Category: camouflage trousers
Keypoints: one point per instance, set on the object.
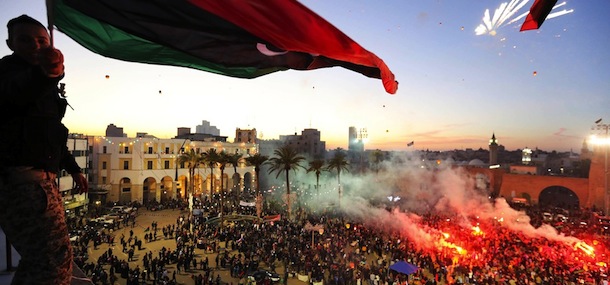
(32, 217)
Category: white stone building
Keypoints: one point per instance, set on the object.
(144, 168)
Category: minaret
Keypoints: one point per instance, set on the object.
(584, 151)
(493, 150)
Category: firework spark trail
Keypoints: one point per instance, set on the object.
(503, 16)
(511, 10)
(559, 13)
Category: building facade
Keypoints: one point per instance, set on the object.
(75, 203)
(356, 139)
(206, 128)
(307, 143)
(145, 169)
(493, 150)
(245, 135)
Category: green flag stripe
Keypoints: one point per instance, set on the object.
(110, 41)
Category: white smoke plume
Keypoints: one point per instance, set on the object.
(423, 187)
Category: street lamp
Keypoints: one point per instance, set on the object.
(605, 143)
(313, 232)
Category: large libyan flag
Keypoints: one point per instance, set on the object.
(239, 38)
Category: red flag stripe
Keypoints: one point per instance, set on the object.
(289, 25)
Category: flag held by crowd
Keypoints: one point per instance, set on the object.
(272, 218)
(238, 38)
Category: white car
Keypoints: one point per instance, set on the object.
(113, 216)
(121, 209)
(104, 221)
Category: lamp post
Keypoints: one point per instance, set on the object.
(605, 143)
(313, 232)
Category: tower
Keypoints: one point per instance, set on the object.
(526, 156)
(493, 150)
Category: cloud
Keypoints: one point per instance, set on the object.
(561, 131)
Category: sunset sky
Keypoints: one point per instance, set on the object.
(543, 88)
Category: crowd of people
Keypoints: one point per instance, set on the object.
(352, 252)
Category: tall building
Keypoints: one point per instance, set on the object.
(75, 203)
(493, 150)
(182, 131)
(585, 153)
(356, 139)
(245, 135)
(308, 143)
(526, 156)
(206, 128)
(114, 131)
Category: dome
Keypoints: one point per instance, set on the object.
(476, 162)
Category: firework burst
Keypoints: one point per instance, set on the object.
(505, 15)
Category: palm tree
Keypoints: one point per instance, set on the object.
(210, 158)
(192, 159)
(316, 166)
(338, 162)
(222, 161)
(234, 160)
(378, 157)
(257, 160)
(285, 159)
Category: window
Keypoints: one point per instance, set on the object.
(166, 149)
(126, 149)
(150, 150)
(166, 164)
(104, 165)
(104, 149)
(149, 165)
(125, 165)
(103, 179)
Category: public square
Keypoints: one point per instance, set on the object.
(163, 218)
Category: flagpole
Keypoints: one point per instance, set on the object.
(50, 19)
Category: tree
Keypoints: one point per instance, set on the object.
(234, 160)
(222, 161)
(257, 160)
(192, 159)
(338, 162)
(316, 166)
(378, 157)
(210, 159)
(285, 159)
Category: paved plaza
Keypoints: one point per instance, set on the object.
(164, 218)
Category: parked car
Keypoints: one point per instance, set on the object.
(261, 275)
(104, 221)
(121, 209)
